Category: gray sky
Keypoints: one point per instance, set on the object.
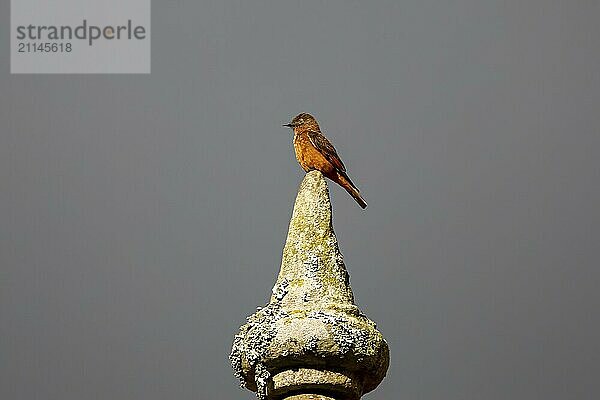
(143, 217)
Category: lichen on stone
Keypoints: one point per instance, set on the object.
(280, 289)
(311, 322)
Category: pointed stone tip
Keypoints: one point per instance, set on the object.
(312, 201)
(311, 337)
(312, 268)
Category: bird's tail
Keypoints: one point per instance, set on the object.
(347, 184)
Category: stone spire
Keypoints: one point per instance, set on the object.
(310, 341)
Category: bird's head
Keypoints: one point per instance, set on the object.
(304, 121)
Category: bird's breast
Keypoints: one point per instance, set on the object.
(308, 156)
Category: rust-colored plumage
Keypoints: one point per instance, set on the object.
(315, 152)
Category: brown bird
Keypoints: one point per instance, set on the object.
(315, 152)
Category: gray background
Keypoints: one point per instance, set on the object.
(143, 217)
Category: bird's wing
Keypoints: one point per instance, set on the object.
(325, 147)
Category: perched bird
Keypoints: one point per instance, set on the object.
(315, 152)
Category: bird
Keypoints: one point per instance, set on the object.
(315, 152)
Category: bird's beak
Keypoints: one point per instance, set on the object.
(288, 125)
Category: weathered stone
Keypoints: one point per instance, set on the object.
(309, 397)
(311, 339)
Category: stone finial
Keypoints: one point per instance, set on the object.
(311, 339)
